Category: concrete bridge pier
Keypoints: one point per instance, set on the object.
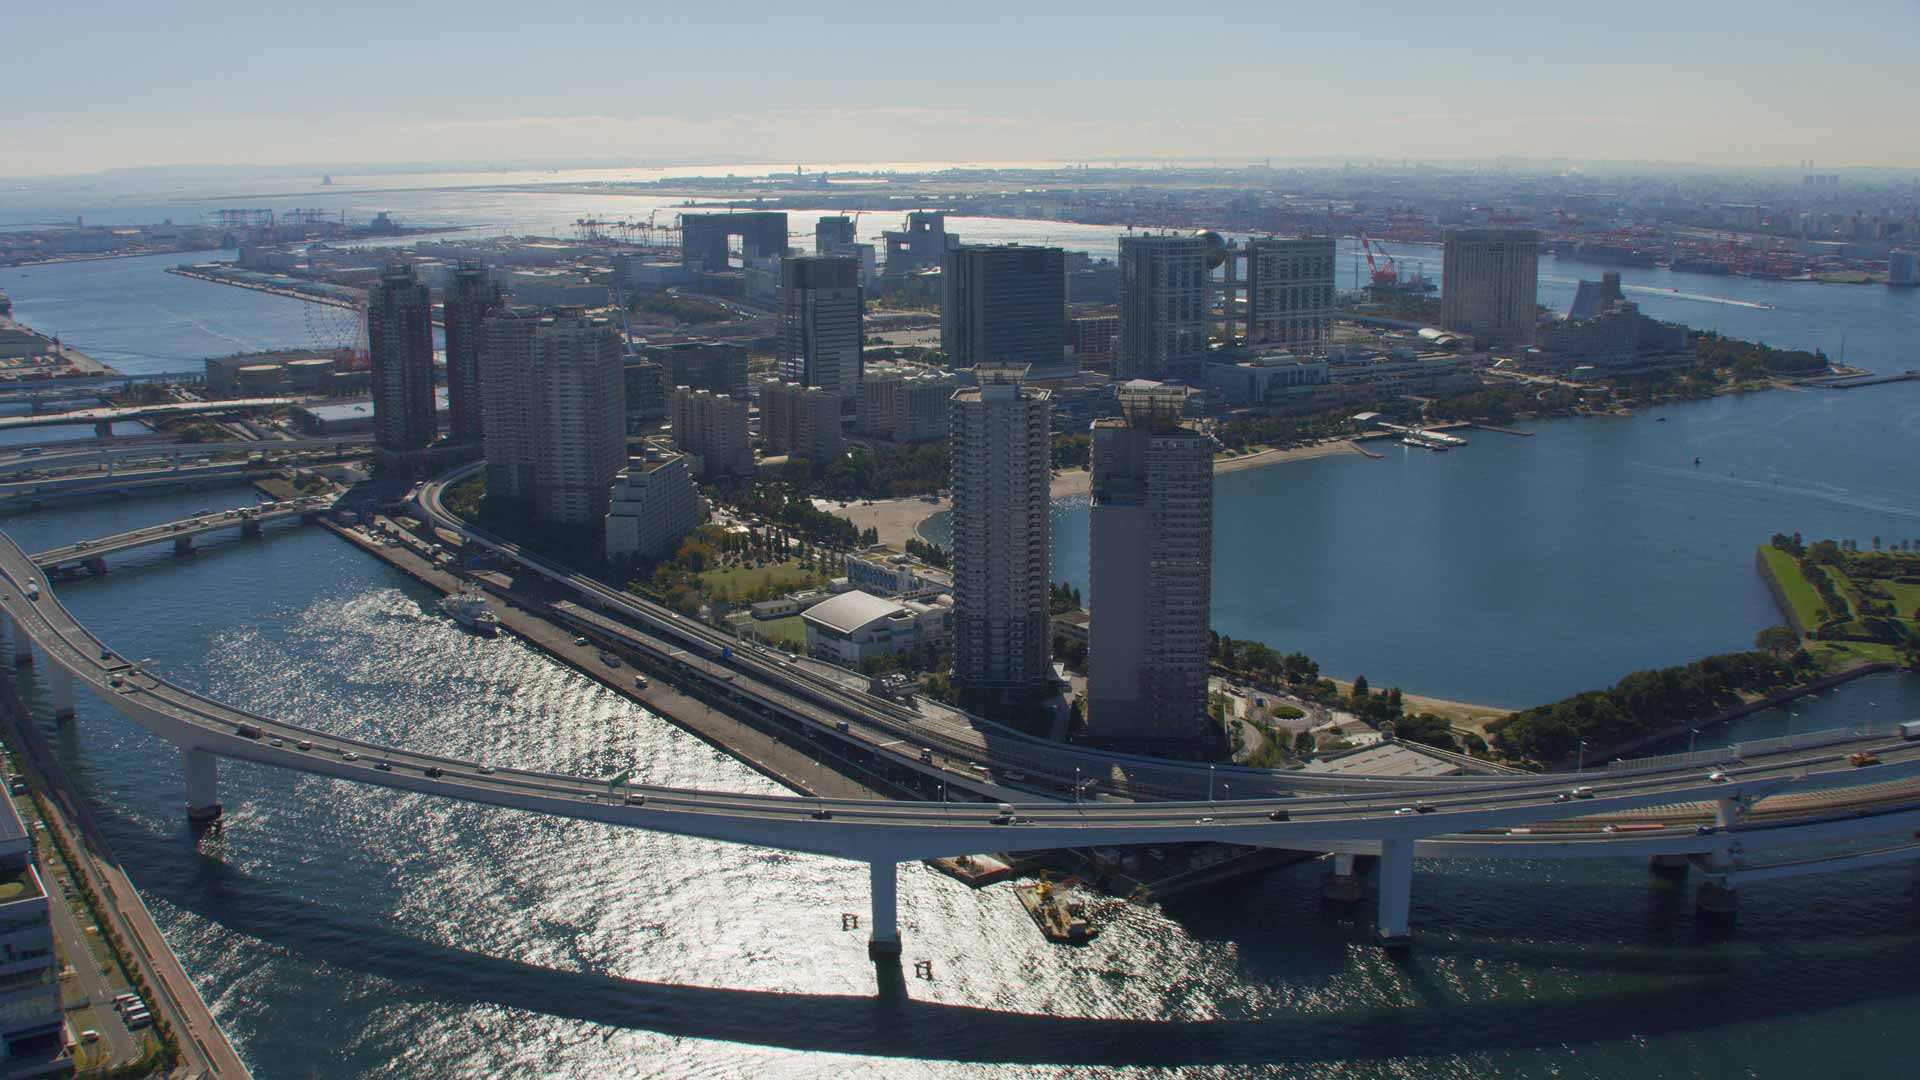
(250, 530)
(22, 644)
(60, 681)
(97, 566)
(1396, 894)
(203, 785)
(1716, 900)
(183, 545)
(103, 429)
(1343, 883)
(883, 945)
(1669, 866)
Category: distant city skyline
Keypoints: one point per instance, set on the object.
(1710, 84)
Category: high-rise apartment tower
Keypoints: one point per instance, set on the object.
(400, 341)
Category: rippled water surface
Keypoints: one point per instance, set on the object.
(349, 931)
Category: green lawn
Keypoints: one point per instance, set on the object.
(789, 631)
(1837, 654)
(1806, 602)
(737, 580)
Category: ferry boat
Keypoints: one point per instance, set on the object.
(470, 611)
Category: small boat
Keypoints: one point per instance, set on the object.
(1659, 419)
(470, 611)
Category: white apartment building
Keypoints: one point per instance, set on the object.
(1001, 453)
(555, 422)
(1163, 307)
(713, 429)
(652, 503)
(803, 421)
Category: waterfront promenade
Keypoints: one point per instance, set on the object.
(205, 1051)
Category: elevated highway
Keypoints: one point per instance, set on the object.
(92, 554)
(58, 457)
(1786, 800)
(105, 417)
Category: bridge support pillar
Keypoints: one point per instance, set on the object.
(60, 681)
(1669, 866)
(250, 530)
(183, 545)
(1717, 901)
(1396, 894)
(103, 429)
(203, 785)
(22, 644)
(97, 566)
(883, 945)
(1343, 883)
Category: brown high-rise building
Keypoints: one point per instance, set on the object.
(400, 339)
(471, 296)
(1490, 286)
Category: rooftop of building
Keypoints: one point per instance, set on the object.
(1385, 759)
(850, 611)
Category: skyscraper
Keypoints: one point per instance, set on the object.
(822, 333)
(833, 235)
(506, 360)
(1290, 291)
(1490, 285)
(556, 411)
(1163, 307)
(1150, 579)
(400, 341)
(1001, 452)
(471, 296)
(1003, 304)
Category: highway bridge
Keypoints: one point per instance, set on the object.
(92, 554)
(1789, 799)
(66, 457)
(104, 418)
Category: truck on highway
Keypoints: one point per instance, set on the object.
(1910, 730)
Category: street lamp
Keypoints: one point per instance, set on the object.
(1580, 765)
(1209, 783)
(1695, 734)
(1076, 783)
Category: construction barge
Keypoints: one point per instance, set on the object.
(1055, 910)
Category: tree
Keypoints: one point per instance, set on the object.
(1303, 743)
(1778, 640)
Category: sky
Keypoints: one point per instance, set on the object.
(92, 86)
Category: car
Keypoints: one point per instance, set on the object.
(106, 654)
(1583, 792)
(304, 744)
(1562, 796)
(383, 766)
(636, 800)
(581, 640)
(348, 755)
(435, 772)
(1004, 816)
(639, 682)
(926, 755)
(1425, 808)
(842, 727)
(1279, 815)
(1719, 778)
(1404, 810)
(246, 731)
(122, 999)
(486, 770)
(277, 741)
(89, 1035)
(822, 814)
(1863, 759)
(1203, 821)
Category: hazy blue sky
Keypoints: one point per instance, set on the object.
(99, 85)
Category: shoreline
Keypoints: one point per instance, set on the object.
(898, 520)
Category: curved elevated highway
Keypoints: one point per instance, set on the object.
(1781, 801)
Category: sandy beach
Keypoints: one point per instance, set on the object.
(897, 520)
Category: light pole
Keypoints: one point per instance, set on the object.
(1580, 765)
(1076, 783)
(1691, 738)
(1209, 783)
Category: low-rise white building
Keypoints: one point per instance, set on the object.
(853, 626)
(652, 503)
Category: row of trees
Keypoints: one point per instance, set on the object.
(1260, 661)
(1646, 702)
